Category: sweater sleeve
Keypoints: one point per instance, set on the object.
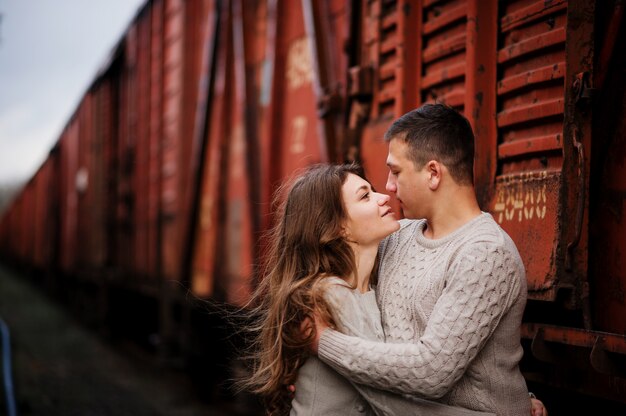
(356, 317)
(483, 280)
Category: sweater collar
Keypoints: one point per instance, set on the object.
(434, 243)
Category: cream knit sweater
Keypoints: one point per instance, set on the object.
(451, 311)
(320, 391)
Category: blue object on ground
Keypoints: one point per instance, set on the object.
(6, 368)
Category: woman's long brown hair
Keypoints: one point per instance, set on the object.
(306, 245)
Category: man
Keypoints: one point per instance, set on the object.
(452, 286)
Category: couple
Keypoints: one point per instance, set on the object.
(440, 335)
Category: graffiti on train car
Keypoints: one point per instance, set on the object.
(521, 197)
(299, 64)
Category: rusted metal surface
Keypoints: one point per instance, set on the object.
(577, 150)
(91, 200)
(589, 362)
(167, 168)
(126, 76)
(155, 167)
(200, 35)
(542, 334)
(607, 193)
(327, 31)
(264, 69)
(294, 104)
(523, 205)
(133, 151)
(236, 279)
(388, 33)
(206, 250)
(102, 203)
(41, 219)
(69, 197)
(530, 125)
(444, 39)
(480, 101)
(25, 235)
(173, 160)
(83, 187)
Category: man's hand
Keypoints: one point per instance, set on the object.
(537, 408)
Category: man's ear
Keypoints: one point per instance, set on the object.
(434, 170)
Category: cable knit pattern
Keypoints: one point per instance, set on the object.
(451, 310)
(321, 391)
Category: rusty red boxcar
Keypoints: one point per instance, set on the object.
(162, 180)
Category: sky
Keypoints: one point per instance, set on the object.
(50, 52)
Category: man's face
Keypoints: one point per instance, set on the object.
(407, 183)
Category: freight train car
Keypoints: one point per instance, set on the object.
(162, 180)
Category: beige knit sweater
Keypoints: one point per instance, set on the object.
(320, 391)
(451, 311)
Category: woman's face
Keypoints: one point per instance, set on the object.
(370, 218)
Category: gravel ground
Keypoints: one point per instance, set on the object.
(61, 368)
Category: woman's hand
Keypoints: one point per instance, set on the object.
(307, 327)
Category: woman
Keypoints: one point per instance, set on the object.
(323, 251)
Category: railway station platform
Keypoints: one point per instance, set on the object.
(62, 368)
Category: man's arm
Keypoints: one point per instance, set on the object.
(351, 314)
(477, 295)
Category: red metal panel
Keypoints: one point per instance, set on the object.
(26, 227)
(42, 217)
(376, 27)
(206, 250)
(69, 201)
(125, 114)
(237, 274)
(16, 227)
(445, 40)
(326, 25)
(172, 173)
(197, 59)
(263, 51)
(102, 202)
(284, 71)
(37, 181)
(480, 99)
(456, 66)
(390, 36)
(84, 174)
(530, 105)
(138, 148)
(294, 99)
(237, 235)
(5, 231)
(381, 41)
(141, 146)
(263, 65)
(153, 219)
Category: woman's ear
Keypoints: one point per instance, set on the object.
(346, 234)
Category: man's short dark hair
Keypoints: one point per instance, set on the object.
(437, 132)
